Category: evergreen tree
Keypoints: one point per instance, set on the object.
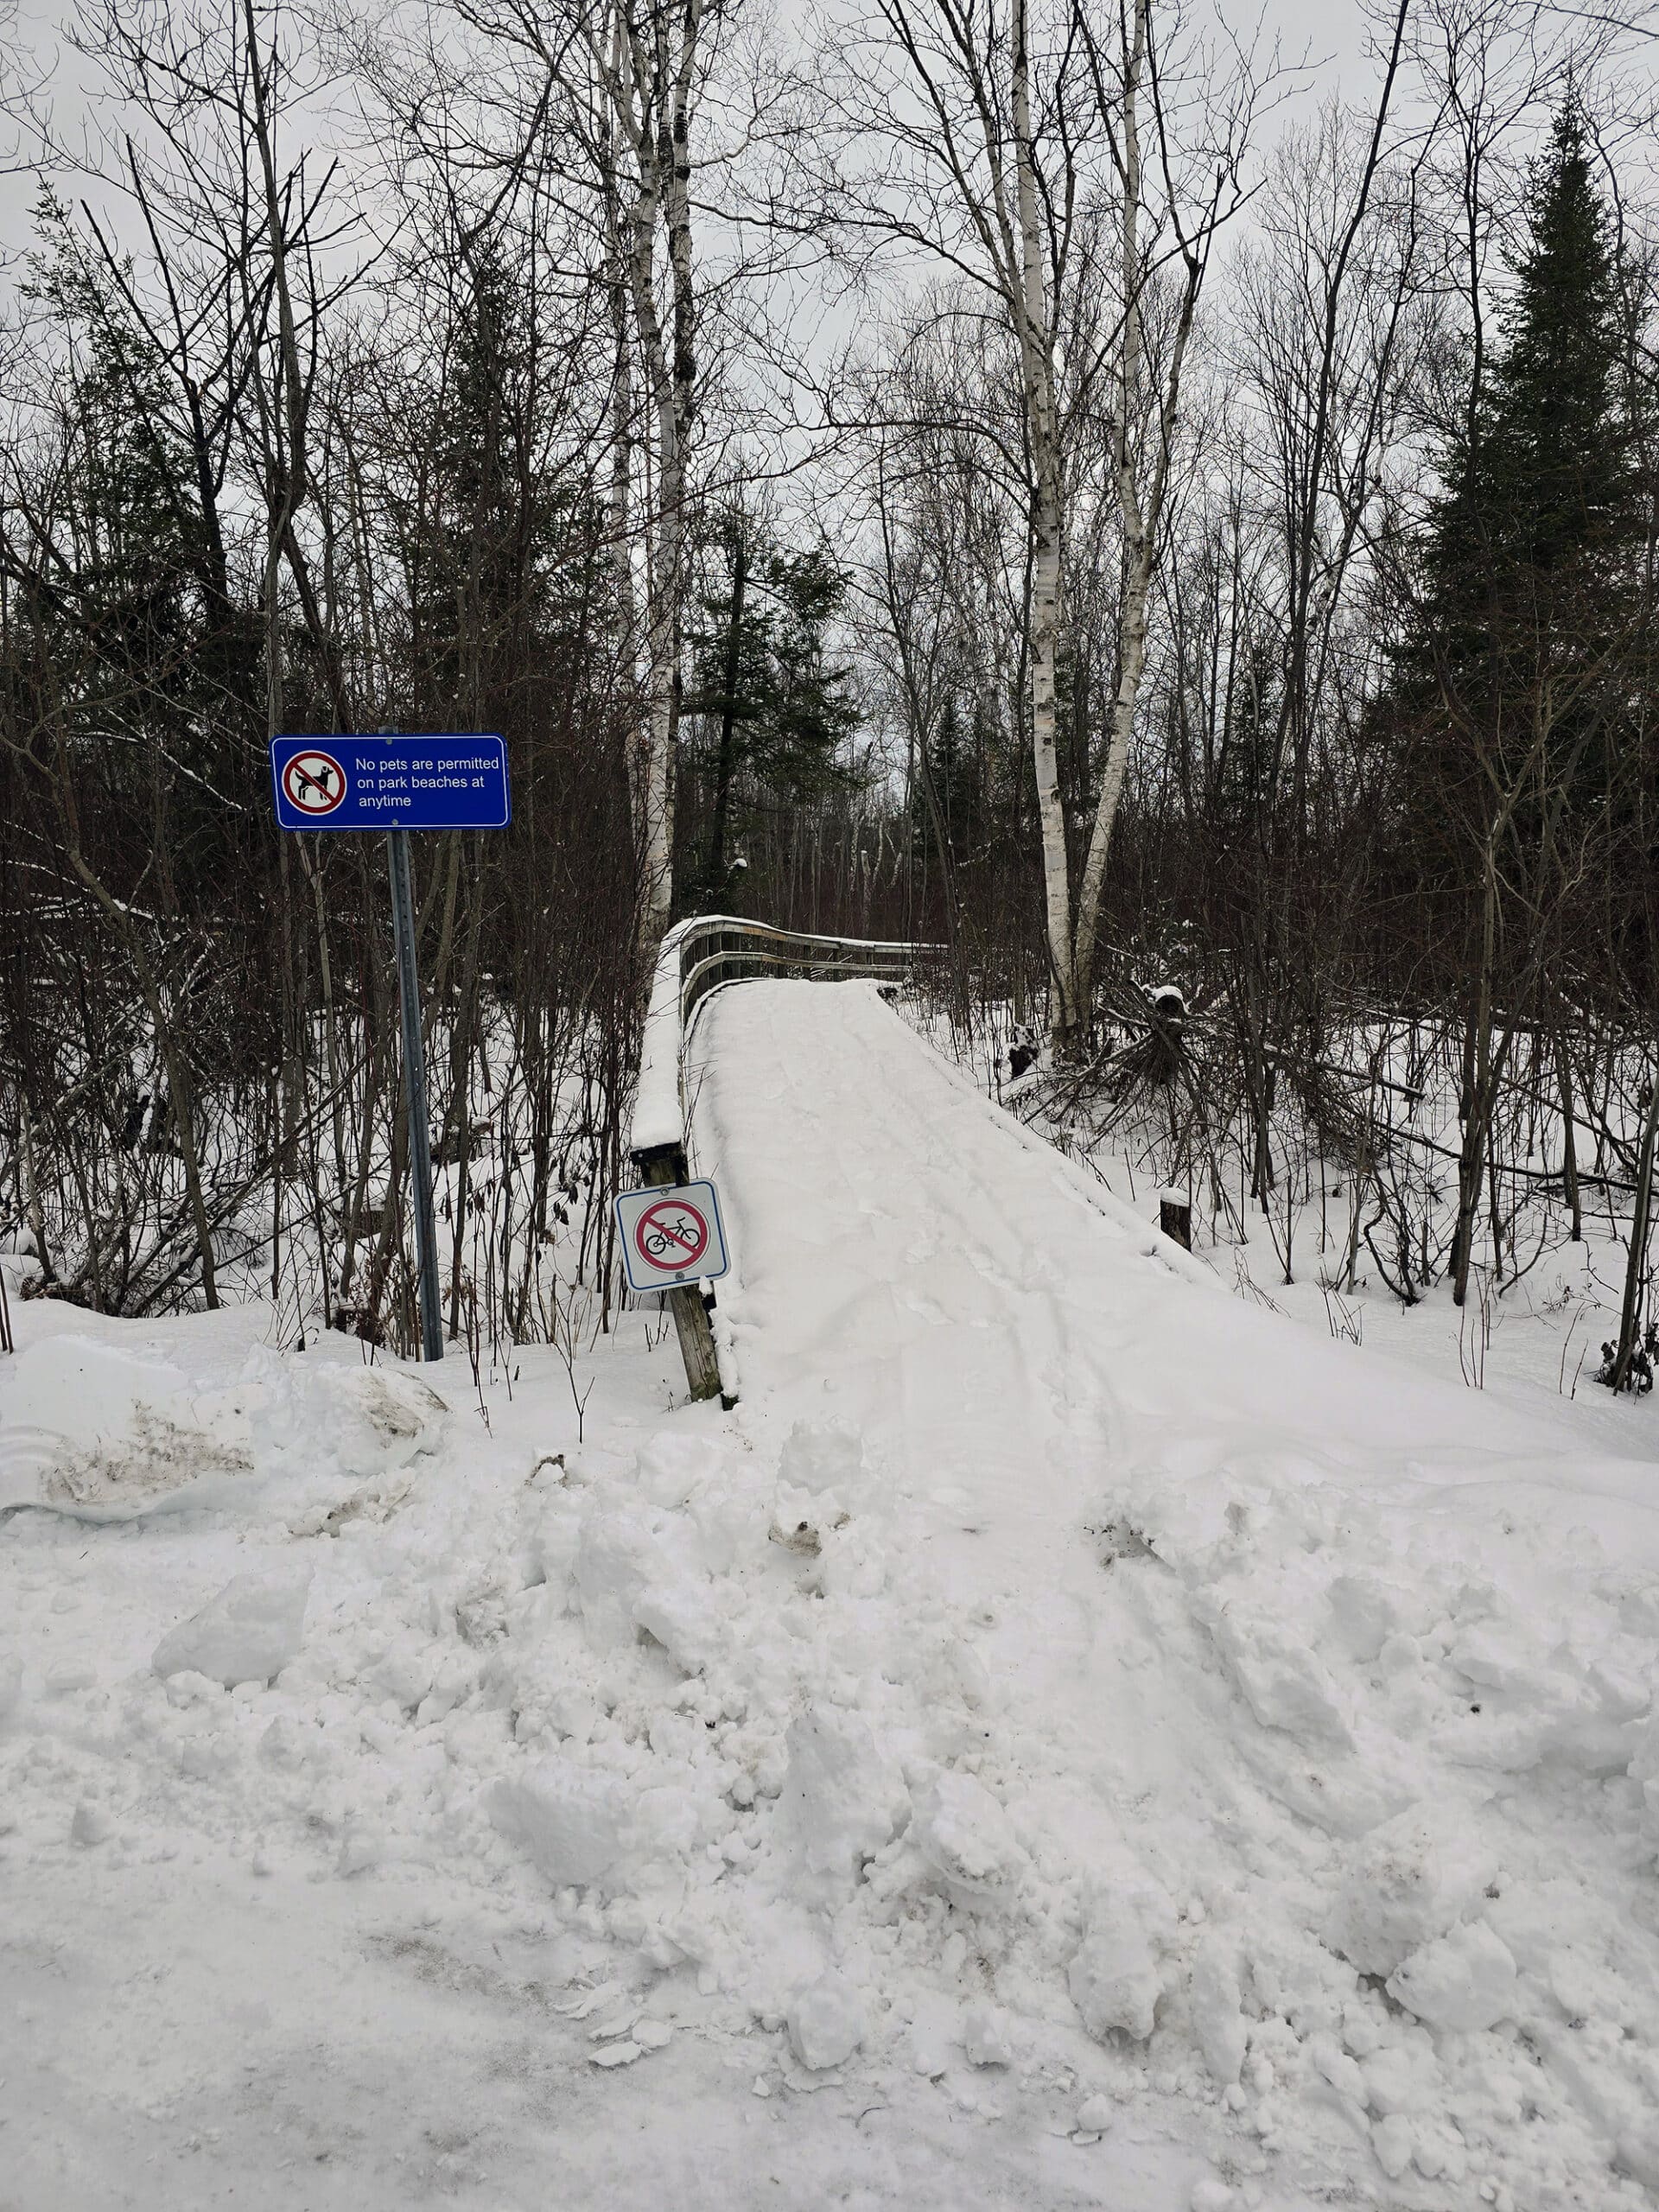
(146, 647)
(1549, 472)
(1521, 668)
(776, 711)
(504, 559)
(1530, 566)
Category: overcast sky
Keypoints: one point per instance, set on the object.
(1331, 33)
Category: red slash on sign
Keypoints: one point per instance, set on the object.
(671, 1235)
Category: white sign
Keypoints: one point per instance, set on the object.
(671, 1236)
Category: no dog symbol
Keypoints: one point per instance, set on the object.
(314, 782)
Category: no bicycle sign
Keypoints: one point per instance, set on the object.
(671, 1236)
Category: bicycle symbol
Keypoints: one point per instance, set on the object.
(671, 1235)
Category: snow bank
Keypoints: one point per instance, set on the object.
(1060, 1711)
(92, 1428)
(765, 1764)
(98, 1431)
(1313, 1767)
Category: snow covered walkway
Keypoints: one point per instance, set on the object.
(1313, 1697)
(1067, 1739)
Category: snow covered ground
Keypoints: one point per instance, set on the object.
(1067, 1738)
(1537, 1327)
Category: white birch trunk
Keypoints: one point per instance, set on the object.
(651, 785)
(1141, 523)
(661, 627)
(674, 161)
(619, 497)
(649, 76)
(1037, 362)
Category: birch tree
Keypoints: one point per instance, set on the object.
(617, 85)
(649, 63)
(971, 136)
(1013, 145)
(1158, 228)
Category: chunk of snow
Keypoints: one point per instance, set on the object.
(247, 1633)
(311, 1415)
(1462, 1981)
(1393, 2140)
(586, 2002)
(825, 2023)
(1368, 1608)
(987, 2036)
(1115, 1976)
(823, 1455)
(360, 1849)
(1401, 2077)
(1643, 1771)
(670, 1469)
(843, 1797)
(1283, 1678)
(1115, 1981)
(1334, 2066)
(575, 1823)
(968, 1839)
(1217, 2010)
(188, 1688)
(90, 1824)
(1406, 1883)
(681, 1613)
(620, 1558)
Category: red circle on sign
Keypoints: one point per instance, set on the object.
(314, 782)
(670, 1236)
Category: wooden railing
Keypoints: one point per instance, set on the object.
(705, 955)
(699, 957)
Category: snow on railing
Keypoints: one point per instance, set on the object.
(702, 955)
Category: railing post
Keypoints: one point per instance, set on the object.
(1175, 1216)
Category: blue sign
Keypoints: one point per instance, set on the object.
(390, 783)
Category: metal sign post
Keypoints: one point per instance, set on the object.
(420, 1150)
(398, 784)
